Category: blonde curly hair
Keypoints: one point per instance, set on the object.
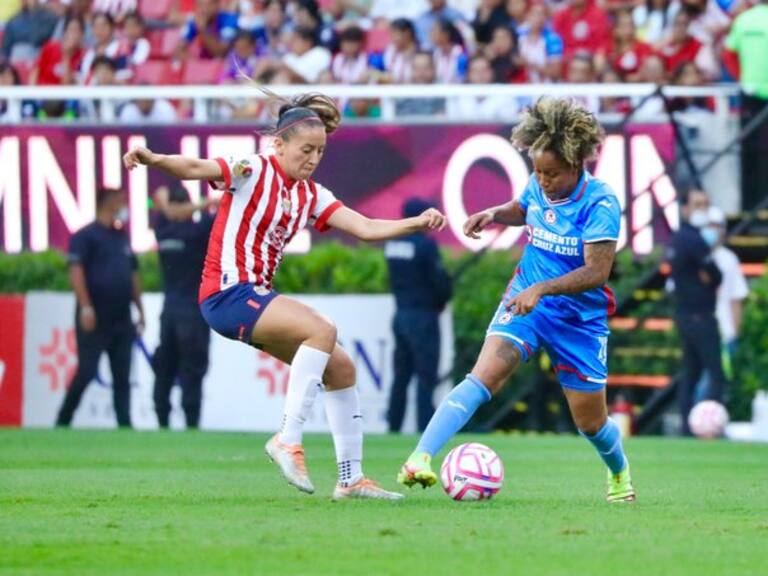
(562, 127)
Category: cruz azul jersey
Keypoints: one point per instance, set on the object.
(261, 210)
(557, 232)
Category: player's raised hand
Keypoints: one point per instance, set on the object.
(477, 223)
(138, 155)
(432, 219)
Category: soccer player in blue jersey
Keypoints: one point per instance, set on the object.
(557, 298)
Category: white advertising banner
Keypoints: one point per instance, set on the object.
(244, 389)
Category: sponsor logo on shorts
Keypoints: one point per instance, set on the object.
(505, 318)
(261, 290)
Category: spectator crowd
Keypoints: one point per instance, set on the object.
(272, 42)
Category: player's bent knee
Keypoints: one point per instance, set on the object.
(340, 373)
(323, 335)
(590, 426)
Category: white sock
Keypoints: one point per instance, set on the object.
(342, 408)
(304, 381)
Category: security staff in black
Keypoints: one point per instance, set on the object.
(182, 356)
(696, 278)
(422, 288)
(102, 270)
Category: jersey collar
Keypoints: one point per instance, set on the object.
(576, 195)
(288, 182)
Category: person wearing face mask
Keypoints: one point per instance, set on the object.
(268, 199)
(103, 273)
(696, 279)
(733, 289)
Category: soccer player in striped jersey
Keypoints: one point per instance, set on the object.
(557, 299)
(267, 200)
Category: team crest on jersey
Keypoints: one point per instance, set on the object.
(242, 169)
(550, 216)
(505, 318)
(277, 237)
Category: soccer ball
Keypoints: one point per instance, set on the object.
(708, 419)
(471, 471)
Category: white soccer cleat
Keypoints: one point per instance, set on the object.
(290, 460)
(364, 488)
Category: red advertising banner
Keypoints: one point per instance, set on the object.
(11, 359)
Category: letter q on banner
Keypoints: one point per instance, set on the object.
(470, 151)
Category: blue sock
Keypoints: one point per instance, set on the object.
(607, 442)
(453, 413)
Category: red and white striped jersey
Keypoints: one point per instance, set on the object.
(259, 215)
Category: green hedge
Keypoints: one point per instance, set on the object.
(337, 268)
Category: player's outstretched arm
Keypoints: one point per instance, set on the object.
(176, 165)
(509, 214)
(372, 230)
(598, 260)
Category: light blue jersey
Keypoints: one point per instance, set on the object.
(557, 232)
(573, 328)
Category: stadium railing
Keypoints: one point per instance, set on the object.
(202, 96)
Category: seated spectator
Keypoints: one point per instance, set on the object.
(9, 76)
(687, 74)
(652, 71)
(439, 10)
(80, 10)
(709, 22)
(209, 32)
(653, 19)
(680, 46)
(275, 29)
(613, 103)
(350, 65)
(27, 31)
(583, 26)
(103, 73)
(448, 53)
(490, 15)
(397, 61)
(541, 49)
(505, 61)
(306, 60)
(581, 70)
(384, 11)
(106, 44)
(423, 73)
(134, 47)
(159, 111)
(306, 14)
(241, 61)
(482, 107)
(59, 61)
(625, 53)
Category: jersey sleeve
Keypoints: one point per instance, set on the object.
(79, 249)
(525, 198)
(236, 171)
(603, 221)
(732, 41)
(324, 206)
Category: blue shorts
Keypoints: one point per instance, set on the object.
(234, 312)
(579, 351)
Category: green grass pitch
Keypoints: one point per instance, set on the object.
(76, 502)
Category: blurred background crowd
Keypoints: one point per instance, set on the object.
(114, 42)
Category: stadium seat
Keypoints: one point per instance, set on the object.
(377, 39)
(155, 9)
(163, 42)
(203, 72)
(157, 72)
